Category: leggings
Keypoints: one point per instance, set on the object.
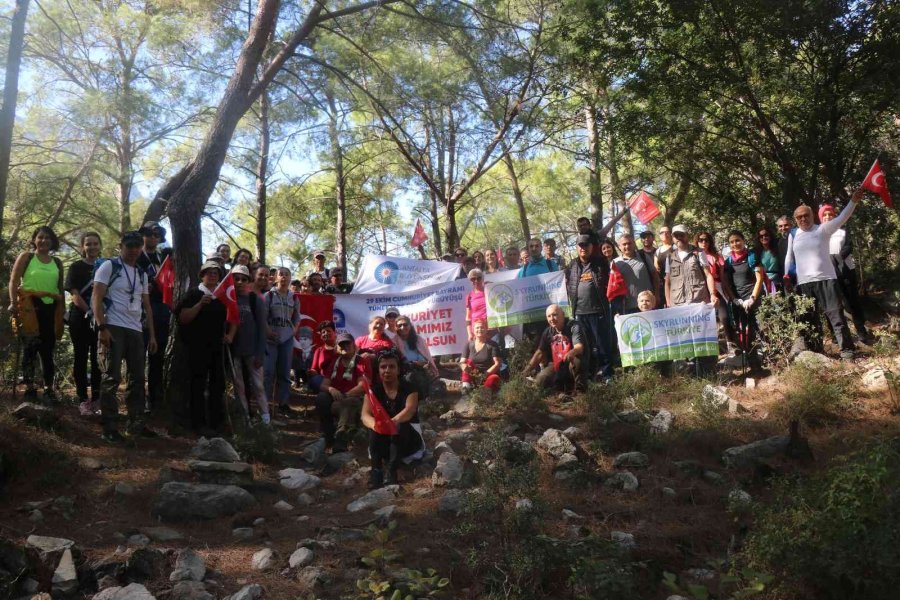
(42, 345)
(84, 348)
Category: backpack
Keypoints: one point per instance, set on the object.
(115, 274)
(551, 266)
(559, 347)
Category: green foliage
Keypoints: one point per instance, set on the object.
(779, 325)
(815, 396)
(257, 442)
(385, 583)
(836, 533)
(518, 398)
(734, 583)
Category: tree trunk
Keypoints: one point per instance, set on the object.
(340, 182)
(452, 228)
(617, 192)
(124, 179)
(262, 174)
(595, 185)
(674, 207)
(10, 96)
(517, 193)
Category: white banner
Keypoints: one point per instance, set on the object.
(667, 334)
(392, 274)
(525, 300)
(497, 276)
(438, 313)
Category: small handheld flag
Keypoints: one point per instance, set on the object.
(876, 181)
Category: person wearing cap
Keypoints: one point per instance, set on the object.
(319, 265)
(662, 253)
(841, 250)
(376, 340)
(201, 328)
(283, 313)
(336, 284)
(550, 253)
(809, 249)
(323, 357)
(341, 393)
(588, 280)
(248, 344)
(390, 318)
(120, 297)
(150, 261)
(688, 280)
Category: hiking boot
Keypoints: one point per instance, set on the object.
(376, 479)
(113, 437)
(31, 394)
(391, 477)
(848, 354)
(340, 443)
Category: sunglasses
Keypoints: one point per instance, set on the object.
(764, 236)
(703, 239)
(460, 255)
(402, 325)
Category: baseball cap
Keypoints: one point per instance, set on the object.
(150, 227)
(319, 253)
(584, 239)
(344, 337)
(392, 310)
(132, 238)
(646, 234)
(241, 270)
(679, 229)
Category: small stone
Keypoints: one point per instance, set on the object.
(253, 591)
(191, 590)
(573, 433)
(449, 470)
(749, 454)
(386, 514)
(676, 597)
(632, 416)
(304, 499)
(36, 516)
(310, 577)
(441, 448)
(303, 518)
(162, 534)
(739, 500)
(556, 418)
(189, 566)
(283, 506)
(875, 380)
(450, 416)
(263, 560)
(750, 383)
(421, 492)
(452, 502)
(259, 521)
(138, 539)
(668, 492)
(48, 545)
(524, 504)
(301, 558)
(662, 421)
(143, 564)
(314, 452)
(701, 574)
(242, 533)
(337, 461)
(567, 462)
(624, 540)
(215, 449)
(571, 515)
(65, 577)
(555, 443)
(298, 479)
(222, 473)
(632, 460)
(132, 591)
(124, 489)
(713, 477)
(374, 499)
(715, 395)
(340, 535)
(90, 463)
(624, 480)
(814, 361)
(35, 414)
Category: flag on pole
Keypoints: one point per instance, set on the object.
(419, 236)
(876, 181)
(500, 260)
(165, 281)
(225, 294)
(643, 207)
(383, 422)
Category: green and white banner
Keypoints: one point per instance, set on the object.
(525, 300)
(668, 334)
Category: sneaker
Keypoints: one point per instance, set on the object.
(266, 418)
(85, 409)
(848, 354)
(340, 443)
(113, 437)
(465, 388)
(376, 479)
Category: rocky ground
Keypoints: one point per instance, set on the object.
(665, 481)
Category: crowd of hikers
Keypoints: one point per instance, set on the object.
(117, 314)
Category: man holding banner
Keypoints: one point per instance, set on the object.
(587, 282)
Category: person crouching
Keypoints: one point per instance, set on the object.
(341, 392)
(560, 348)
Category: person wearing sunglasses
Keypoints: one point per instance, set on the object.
(419, 365)
(809, 250)
(248, 345)
(341, 393)
(743, 279)
(706, 242)
(766, 253)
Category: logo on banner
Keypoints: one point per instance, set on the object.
(636, 332)
(340, 322)
(501, 298)
(387, 273)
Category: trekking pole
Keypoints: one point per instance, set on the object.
(226, 356)
(244, 411)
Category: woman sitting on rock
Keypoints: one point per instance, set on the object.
(395, 433)
(481, 358)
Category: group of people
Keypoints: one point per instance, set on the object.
(117, 315)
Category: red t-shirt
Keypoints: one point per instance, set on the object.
(362, 369)
(323, 360)
(364, 342)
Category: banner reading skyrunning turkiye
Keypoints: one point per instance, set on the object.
(668, 334)
(438, 312)
(525, 300)
(391, 274)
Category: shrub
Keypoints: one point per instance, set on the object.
(256, 442)
(815, 396)
(836, 534)
(779, 325)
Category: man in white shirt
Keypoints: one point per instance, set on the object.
(808, 252)
(121, 294)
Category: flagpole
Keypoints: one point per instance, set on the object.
(422, 252)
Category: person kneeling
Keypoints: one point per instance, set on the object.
(560, 348)
(390, 411)
(341, 393)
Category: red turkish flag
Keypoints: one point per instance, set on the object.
(643, 207)
(165, 280)
(383, 422)
(419, 236)
(314, 308)
(876, 181)
(225, 294)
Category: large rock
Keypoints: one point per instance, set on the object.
(633, 460)
(622, 481)
(191, 590)
(48, 545)
(179, 501)
(314, 453)
(253, 591)
(449, 470)
(452, 502)
(375, 499)
(298, 479)
(264, 559)
(749, 454)
(555, 443)
(162, 534)
(215, 449)
(189, 566)
(301, 558)
(65, 577)
(132, 591)
(875, 380)
(814, 361)
(222, 473)
(35, 414)
(662, 421)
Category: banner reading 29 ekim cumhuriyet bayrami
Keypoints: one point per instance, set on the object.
(667, 334)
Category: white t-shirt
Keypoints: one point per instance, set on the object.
(834, 247)
(809, 250)
(126, 293)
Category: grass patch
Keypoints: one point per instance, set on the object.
(814, 396)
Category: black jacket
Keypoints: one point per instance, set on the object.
(599, 268)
